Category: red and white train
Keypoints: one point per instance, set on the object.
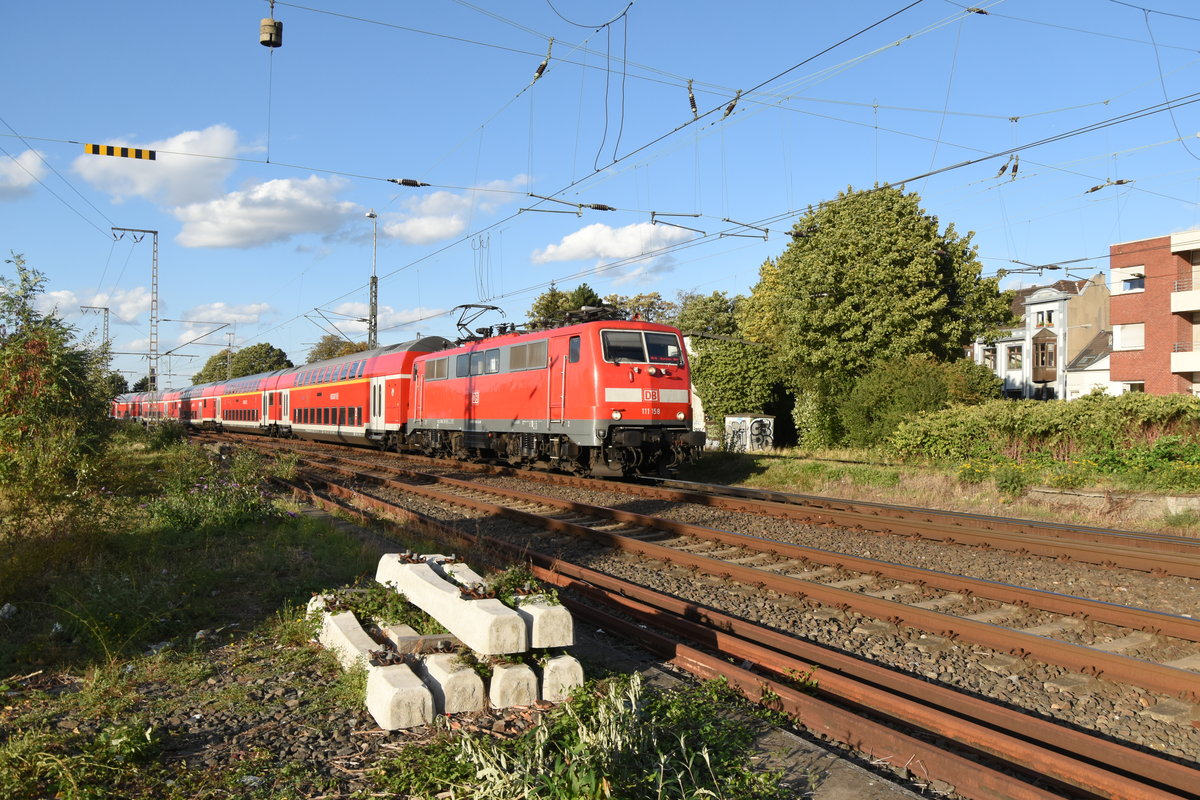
(603, 398)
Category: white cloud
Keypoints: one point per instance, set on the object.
(171, 179)
(264, 213)
(603, 242)
(389, 318)
(223, 312)
(19, 174)
(443, 215)
(209, 316)
(124, 305)
(646, 269)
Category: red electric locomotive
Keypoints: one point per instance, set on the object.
(605, 398)
(602, 397)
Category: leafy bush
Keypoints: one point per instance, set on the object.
(53, 404)
(200, 494)
(1149, 441)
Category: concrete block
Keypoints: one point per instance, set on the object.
(512, 685)
(342, 634)
(456, 572)
(455, 687)
(560, 675)
(548, 625)
(486, 626)
(397, 698)
(406, 640)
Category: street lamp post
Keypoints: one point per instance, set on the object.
(373, 317)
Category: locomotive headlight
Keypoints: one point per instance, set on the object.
(654, 372)
(680, 416)
(616, 415)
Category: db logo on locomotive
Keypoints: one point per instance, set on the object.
(649, 395)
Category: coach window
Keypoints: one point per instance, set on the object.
(491, 361)
(342, 416)
(462, 366)
(477, 363)
(573, 350)
(344, 373)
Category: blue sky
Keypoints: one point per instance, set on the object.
(268, 160)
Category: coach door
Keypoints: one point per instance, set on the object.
(377, 402)
(266, 407)
(286, 398)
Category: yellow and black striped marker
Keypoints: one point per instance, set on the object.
(123, 152)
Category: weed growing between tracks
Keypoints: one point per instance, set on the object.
(615, 738)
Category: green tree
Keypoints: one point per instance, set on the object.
(731, 375)
(115, 384)
(256, 358)
(142, 384)
(551, 307)
(867, 278)
(53, 404)
(650, 307)
(215, 369)
(331, 346)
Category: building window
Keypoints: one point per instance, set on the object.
(1045, 318)
(1135, 387)
(989, 358)
(1043, 354)
(1127, 279)
(1014, 357)
(1129, 337)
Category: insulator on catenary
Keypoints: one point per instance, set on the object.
(270, 32)
(598, 207)
(542, 66)
(692, 100)
(729, 108)
(1016, 165)
(406, 182)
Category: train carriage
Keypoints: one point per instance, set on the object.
(601, 397)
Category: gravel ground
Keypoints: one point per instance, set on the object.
(1128, 714)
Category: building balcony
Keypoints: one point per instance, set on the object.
(1185, 358)
(1183, 297)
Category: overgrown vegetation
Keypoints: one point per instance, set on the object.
(54, 393)
(614, 739)
(371, 601)
(1134, 440)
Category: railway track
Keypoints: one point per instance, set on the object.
(911, 715)
(1158, 554)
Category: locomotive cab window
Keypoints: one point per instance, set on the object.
(623, 347)
(663, 348)
(573, 350)
(491, 361)
(477, 363)
(462, 366)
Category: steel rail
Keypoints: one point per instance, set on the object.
(846, 726)
(1110, 666)
(1128, 549)
(1155, 622)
